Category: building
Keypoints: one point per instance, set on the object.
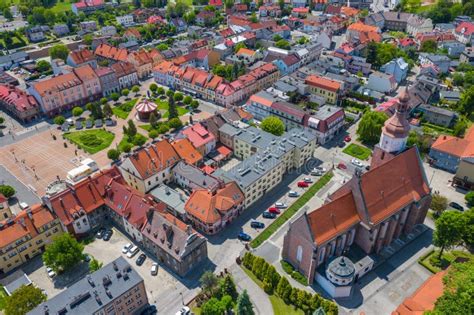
(437, 115)
(126, 74)
(382, 82)
(205, 18)
(464, 32)
(327, 88)
(190, 178)
(108, 80)
(397, 67)
(113, 289)
(18, 103)
(125, 20)
(88, 26)
(35, 34)
(87, 6)
(60, 30)
(143, 62)
(81, 57)
(362, 33)
(186, 151)
(467, 55)
(417, 24)
(149, 167)
(5, 211)
(447, 151)
(111, 53)
(327, 122)
(371, 210)
(211, 210)
(173, 243)
(441, 62)
(65, 91)
(26, 235)
(201, 139)
(464, 177)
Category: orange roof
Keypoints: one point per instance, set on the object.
(246, 51)
(187, 151)
(58, 83)
(154, 159)
(209, 207)
(81, 56)
(424, 298)
(361, 27)
(323, 83)
(110, 52)
(349, 11)
(460, 147)
(261, 100)
(333, 218)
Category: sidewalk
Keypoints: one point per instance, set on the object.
(259, 298)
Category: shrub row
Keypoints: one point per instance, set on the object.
(298, 276)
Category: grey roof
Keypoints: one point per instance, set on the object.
(14, 57)
(170, 197)
(284, 87)
(434, 57)
(198, 179)
(326, 111)
(17, 283)
(228, 129)
(94, 291)
(449, 94)
(437, 110)
(341, 266)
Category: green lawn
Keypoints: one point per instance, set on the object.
(164, 106)
(3, 295)
(435, 130)
(431, 261)
(124, 109)
(288, 213)
(279, 306)
(125, 140)
(92, 141)
(357, 151)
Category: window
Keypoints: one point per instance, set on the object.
(299, 253)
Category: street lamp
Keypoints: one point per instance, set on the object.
(182, 299)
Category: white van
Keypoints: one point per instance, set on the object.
(132, 251)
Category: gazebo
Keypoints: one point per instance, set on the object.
(145, 108)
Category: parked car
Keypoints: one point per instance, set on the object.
(244, 237)
(341, 144)
(50, 272)
(347, 139)
(268, 215)
(126, 248)
(132, 251)
(274, 210)
(109, 122)
(23, 205)
(307, 180)
(456, 206)
(293, 194)
(154, 269)
(318, 171)
(98, 123)
(140, 260)
(280, 205)
(257, 225)
(108, 235)
(78, 125)
(184, 311)
(356, 162)
(303, 184)
(341, 166)
(100, 233)
(89, 124)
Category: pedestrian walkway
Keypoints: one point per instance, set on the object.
(259, 298)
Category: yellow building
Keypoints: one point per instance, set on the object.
(327, 88)
(26, 235)
(5, 211)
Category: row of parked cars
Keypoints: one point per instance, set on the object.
(131, 250)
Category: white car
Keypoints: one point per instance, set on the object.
(154, 269)
(280, 205)
(126, 248)
(307, 180)
(50, 272)
(23, 205)
(132, 251)
(356, 162)
(184, 311)
(293, 194)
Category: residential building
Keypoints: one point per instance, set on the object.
(447, 151)
(211, 210)
(26, 235)
(186, 151)
(327, 122)
(354, 215)
(88, 26)
(81, 57)
(108, 80)
(362, 33)
(12, 59)
(202, 140)
(110, 53)
(464, 177)
(205, 18)
(108, 30)
(114, 288)
(132, 34)
(87, 6)
(382, 82)
(327, 88)
(455, 48)
(60, 30)
(287, 64)
(35, 34)
(397, 67)
(437, 115)
(125, 20)
(417, 24)
(126, 74)
(467, 56)
(149, 167)
(464, 32)
(143, 62)
(190, 178)
(269, 10)
(174, 243)
(441, 62)
(5, 211)
(18, 103)
(396, 21)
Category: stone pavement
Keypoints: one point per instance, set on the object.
(259, 298)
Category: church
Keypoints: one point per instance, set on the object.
(371, 210)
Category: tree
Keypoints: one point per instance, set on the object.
(153, 120)
(227, 302)
(466, 104)
(244, 306)
(2, 120)
(195, 104)
(125, 92)
(59, 52)
(88, 38)
(162, 47)
(213, 307)
(114, 97)
(172, 110)
(77, 111)
(459, 128)
(273, 125)
(160, 91)
(469, 197)
(439, 203)
(178, 97)
(283, 44)
(107, 110)
(170, 93)
(175, 123)
(59, 120)
(187, 100)
(95, 265)
(7, 191)
(113, 154)
(103, 100)
(163, 128)
(127, 147)
(208, 281)
(152, 134)
(468, 234)
(449, 229)
(135, 89)
(429, 46)
(370, 126)
(63, 253)
(228, 287)
(7, 14)
(132, 129)
(23, 300)
(153, 88)
(43, 66)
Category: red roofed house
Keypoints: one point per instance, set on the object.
(371, 210)
(216, 3)
(111, 53)
(464, 32)
(300, 12)
(202, 140)
(363, 33)
(205, 17)
(81, 57)
(18, 103)
(211, 211)
(147, 168)
(87, 6)
(269, 10)
(142, 61)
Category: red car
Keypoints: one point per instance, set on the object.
(303, 184)
(347, 139)
(341, 166)
(274, 210)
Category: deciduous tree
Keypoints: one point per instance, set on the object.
(370, 126)
(273, 125)
(23, 300)
(63, 253)
(449, 230)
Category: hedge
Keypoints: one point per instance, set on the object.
(298, 276)
(288, 213)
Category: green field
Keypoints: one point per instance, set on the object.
(91, 141)
(60, 6)
(164, 106)
(288, 213)
(126, 140)
(122, 110)
(357, 151)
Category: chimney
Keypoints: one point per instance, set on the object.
(189, 229)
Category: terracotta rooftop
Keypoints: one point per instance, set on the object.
(323, 83)
(110, 52)
(459, 147)
(187, 151)
(17, 98)
(198, 135)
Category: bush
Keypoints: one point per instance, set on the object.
(175, 123)
(139, 140)
(163, 128)
(59, 120)
(127, 147)
(90, 140)
(287, 267)
(113, 154)
(77, 111)
(153, 134)
(7, 191)
(469, 197)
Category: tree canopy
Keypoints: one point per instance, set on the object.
(244, 305)
(63, 253)
(23, 300)
(59, 52)
(7, 191)
(370, 126)
(273, 125)
(450, 227)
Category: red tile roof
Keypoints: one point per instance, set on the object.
(459, 147)
(13, 96)
(324, 83)
(465, 28)
(198, 135)
(81, 56)
(187, 151)
(110, 52)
